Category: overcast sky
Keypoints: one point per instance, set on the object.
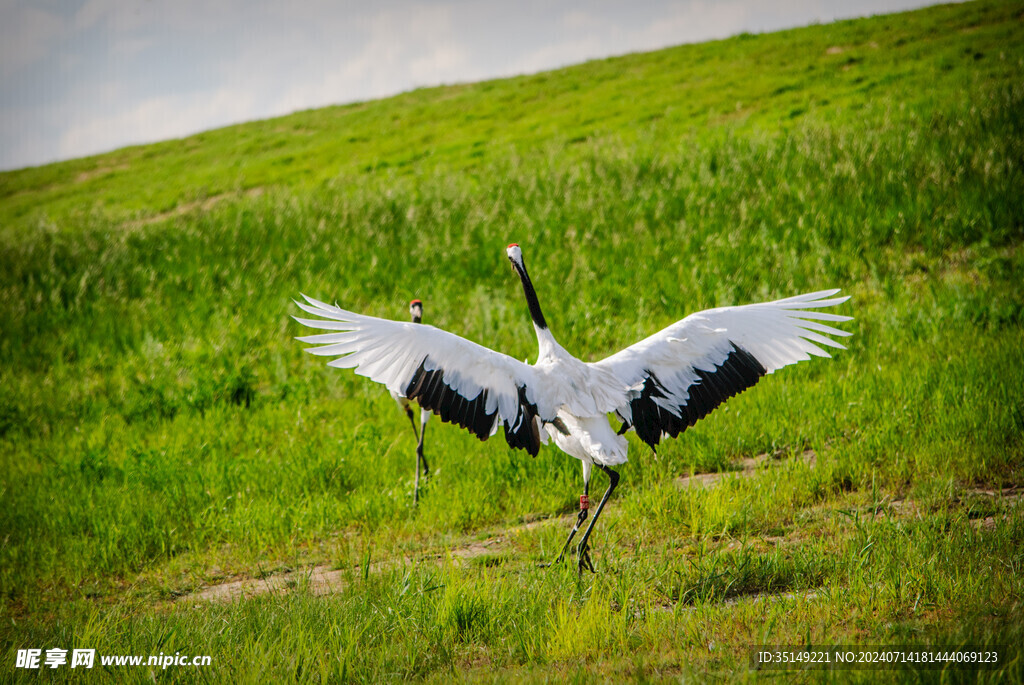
(84, 76)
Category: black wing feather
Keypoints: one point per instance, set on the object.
(737, 372)
(433, 393)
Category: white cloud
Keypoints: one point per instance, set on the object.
(591, 32)
(443, 63)
(387, 53)
(158, 118)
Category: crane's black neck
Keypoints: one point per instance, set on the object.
(416, 318)
(531, 298)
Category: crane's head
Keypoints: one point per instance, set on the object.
(515, 255)
(416, 310)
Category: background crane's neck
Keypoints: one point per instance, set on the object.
(545, 340)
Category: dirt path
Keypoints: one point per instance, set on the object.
(184, 208)
(748, 467)
(325, 579)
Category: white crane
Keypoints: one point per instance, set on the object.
(416, 312)
(658, 387)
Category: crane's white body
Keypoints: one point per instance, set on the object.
(658, 386)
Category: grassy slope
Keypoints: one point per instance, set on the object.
(160, 429)
(827, 76)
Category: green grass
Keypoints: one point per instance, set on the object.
(161, 431)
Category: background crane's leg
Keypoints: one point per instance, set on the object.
(424, 415)
(412, 420)
(419, 449)
(583, 551)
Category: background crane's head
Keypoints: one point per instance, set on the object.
(515, 255)
(416, 310)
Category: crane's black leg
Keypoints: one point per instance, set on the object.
(412, 420)
(583, 550)
(580, 518)
(419, 451)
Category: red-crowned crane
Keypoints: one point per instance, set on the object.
(416, 312)
(658, 387)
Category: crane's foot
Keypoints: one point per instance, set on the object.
(552, 563)
(580, 518)
(425, 467)
(583, 559)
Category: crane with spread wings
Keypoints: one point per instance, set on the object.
(657, 387)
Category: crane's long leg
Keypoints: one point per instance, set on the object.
(424, 415)
(419, 450)
(412, 420)
(580, 518)
(582, 550)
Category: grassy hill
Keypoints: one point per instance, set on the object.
(161, 433)
(850, 72)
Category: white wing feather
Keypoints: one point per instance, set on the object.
(776, 333)
(390, 352)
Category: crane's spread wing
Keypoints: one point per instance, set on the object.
(692, 366)
(464, 383)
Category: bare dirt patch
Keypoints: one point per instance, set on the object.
(748, 467)
(204, 205)
(324, 579)
(99, 171)
(1010, 497)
